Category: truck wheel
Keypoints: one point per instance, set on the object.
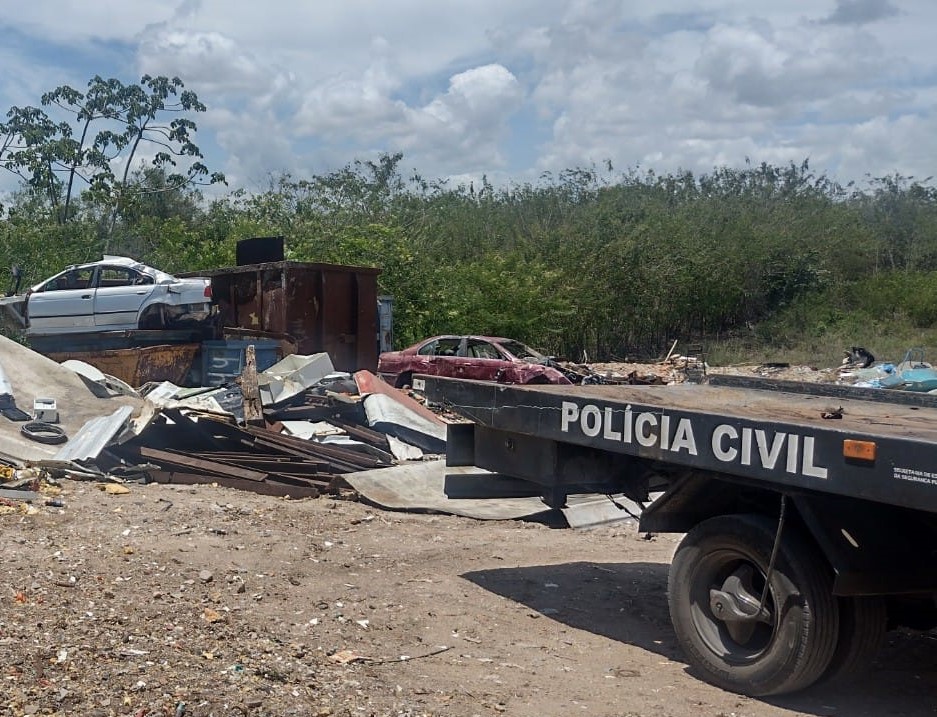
(715, 588)
(863, 622)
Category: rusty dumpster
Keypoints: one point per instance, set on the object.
(137, 366)
(320, 307)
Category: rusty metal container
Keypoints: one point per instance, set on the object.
(320, 307)
(138, 366)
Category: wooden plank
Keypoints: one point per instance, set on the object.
(253, 408)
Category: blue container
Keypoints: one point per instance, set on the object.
(223, 361)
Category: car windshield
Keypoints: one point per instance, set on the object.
(516, 348)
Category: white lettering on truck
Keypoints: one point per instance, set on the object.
(646, 428)
(790, 452)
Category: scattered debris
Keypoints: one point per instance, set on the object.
(8, 406)
(115, 489)
(912, 373)
(44, 432)
(293, 375)
(858, 357)
(391, 411)
(77, 435)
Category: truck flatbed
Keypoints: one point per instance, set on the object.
(795, 439)
(809, 510)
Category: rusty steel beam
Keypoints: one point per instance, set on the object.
(263, 487)
(199, 465)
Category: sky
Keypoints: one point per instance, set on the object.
(510, 89)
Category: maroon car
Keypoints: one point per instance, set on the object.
(484, 358)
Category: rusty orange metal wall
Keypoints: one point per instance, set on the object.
(139, 365)
(321, 307)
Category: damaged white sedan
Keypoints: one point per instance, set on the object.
(115, 294)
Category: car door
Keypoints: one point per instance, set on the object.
(63, 304)
(450, 353)
(482, 361)
(121, 292)
(439, 357)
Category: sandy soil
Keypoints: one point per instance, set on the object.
(177, 601)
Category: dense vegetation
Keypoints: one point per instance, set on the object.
(760, 260)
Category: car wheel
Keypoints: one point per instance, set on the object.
(152, 319)
(539, 381)
(743, 630)
(404, 380)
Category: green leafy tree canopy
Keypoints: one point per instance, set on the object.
(93, 142)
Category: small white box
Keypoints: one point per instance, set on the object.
(45, 410)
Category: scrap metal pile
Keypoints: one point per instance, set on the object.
(292, 430)
(301, 447)
(314, 425)
(217, 450)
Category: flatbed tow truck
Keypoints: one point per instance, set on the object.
(809, 510)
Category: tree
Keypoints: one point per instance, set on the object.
(103, 128)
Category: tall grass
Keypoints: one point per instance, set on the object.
(885, 314)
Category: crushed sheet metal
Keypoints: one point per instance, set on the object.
(163, 393)
(590, 511)
(369, 383)
(226, 400)
(94, 436)
(390, 416)
(311, 429)
(138, 425)
(352, 444)
(291, 376)
(403, 451)
(423, 486)
(101, 384)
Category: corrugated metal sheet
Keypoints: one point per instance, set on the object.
(94, 436)
(33, 376)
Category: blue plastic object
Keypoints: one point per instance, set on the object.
(223, 361)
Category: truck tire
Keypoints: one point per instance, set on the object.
(714, 590)
(863, 622)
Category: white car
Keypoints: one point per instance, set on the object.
(115, 294)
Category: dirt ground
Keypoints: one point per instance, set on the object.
(176, 600)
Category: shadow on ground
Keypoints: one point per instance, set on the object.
(627, 602)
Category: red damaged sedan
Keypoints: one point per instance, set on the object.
(483, 358)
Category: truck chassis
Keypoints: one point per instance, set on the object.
(809, 512)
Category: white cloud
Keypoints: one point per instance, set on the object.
(511, 89)
(468, 121)
(81, 22)
(760, 66)
(463, 124)
(207, 60)
(860, 12)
